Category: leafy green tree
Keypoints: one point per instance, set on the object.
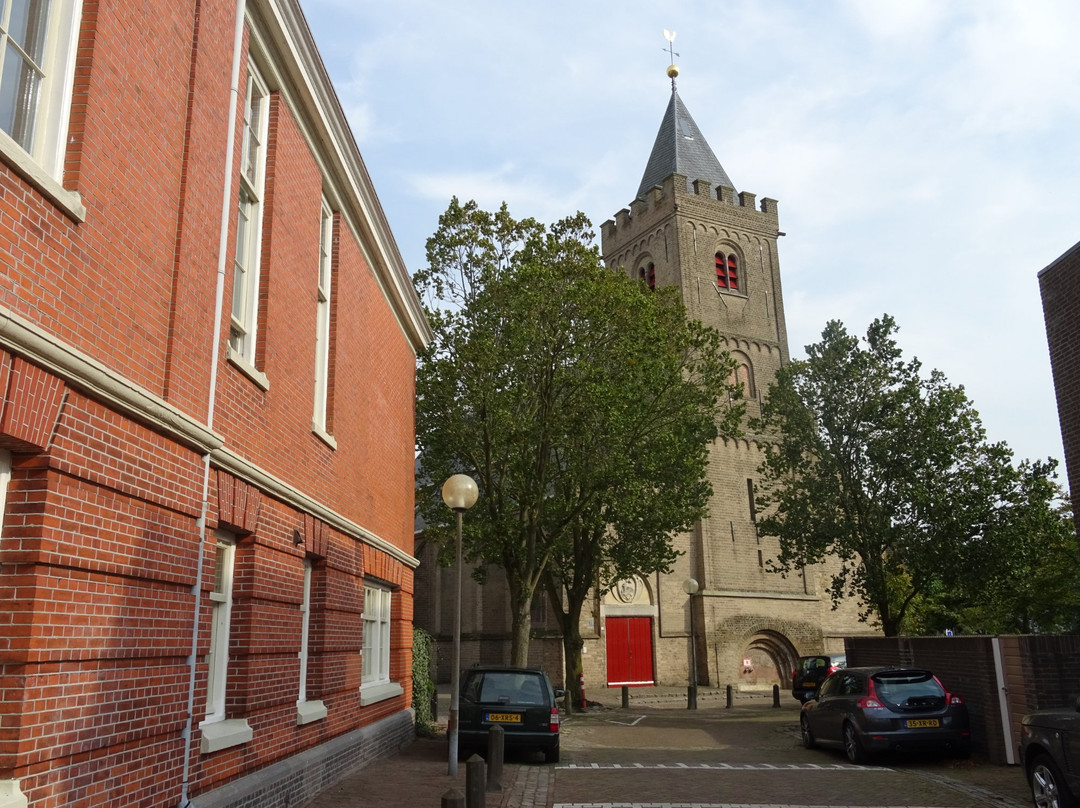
(544, 382)
(881, 467)
(1024, 578)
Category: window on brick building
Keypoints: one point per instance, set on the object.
(647, 273)
(376, 664)
(727, 271)
(37, 66)
(220, 616)
(245, 300)
(305, 627)
(322, 319)
(5, 478)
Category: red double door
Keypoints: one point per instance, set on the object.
(629, 651)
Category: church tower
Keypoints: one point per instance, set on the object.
(689, 227)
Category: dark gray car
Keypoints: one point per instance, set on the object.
(520, 700)
(871, 710)
(1050, 751)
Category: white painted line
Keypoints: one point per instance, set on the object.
(742, 767)
(627, 723)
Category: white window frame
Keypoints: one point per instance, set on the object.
(51, 114)
(243, 334)
(306, 711)
(322, 318)
(375, 684)
(5, 480)
(220, 624)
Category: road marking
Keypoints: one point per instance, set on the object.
(626, 723)
(740, 767)
(699, 805)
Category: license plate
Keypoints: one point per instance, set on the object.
(923, 722)
(810, 683)
(503, 718)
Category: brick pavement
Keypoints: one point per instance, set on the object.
(416, 776)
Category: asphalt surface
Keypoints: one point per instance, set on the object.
(658, 754)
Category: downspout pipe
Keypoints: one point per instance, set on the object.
(215, 354)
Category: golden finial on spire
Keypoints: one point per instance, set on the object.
(673, 69)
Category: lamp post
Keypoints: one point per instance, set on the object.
(690, 587)
(459, 493)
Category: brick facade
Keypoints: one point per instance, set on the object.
(133, 437)
(1059, 285)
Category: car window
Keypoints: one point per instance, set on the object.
(851, 684)
(908, 689)
(830, 687)
(505, 687)
(811, 664)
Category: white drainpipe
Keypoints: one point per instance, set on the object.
(219, 302)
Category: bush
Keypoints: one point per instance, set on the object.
(423, 685)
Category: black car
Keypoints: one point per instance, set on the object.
(871, 710)
(520, 700)
(810, 672)
(1050, 752)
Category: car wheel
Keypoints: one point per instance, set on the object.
(1048, 788)
(852, 745)
(807, 733)
(552, 755)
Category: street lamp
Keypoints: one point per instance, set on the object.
(690, 587)
(459, 493)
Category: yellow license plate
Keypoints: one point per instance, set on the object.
(504, 718)
(809, 684)
(923, 722)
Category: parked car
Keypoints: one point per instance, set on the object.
(1050, 752)
(870, 710)
(810, 672)
(520, 700)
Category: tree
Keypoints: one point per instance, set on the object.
(1024, 578)
(884, 469)
(544, 382)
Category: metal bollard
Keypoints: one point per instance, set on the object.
(729, 695)
(474, 782)
(625, 696)
(453, 799)
(776, 695)
(495, 749)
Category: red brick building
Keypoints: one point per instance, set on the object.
(207, 357)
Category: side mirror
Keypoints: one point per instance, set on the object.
(559, 693)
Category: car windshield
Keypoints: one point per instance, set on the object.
(505, 687)
(811, 664)
(909, 690)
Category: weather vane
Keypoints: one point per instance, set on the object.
(673, 69)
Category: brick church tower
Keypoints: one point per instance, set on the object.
(689, 227)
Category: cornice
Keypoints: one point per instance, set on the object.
(23, 338)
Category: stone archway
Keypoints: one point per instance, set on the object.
(772, 657)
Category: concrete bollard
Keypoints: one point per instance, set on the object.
(625, 696)
(453, 799)
(474, 782)
(495, 750)
(729, 694)
(776, 695)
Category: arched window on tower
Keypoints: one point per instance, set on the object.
(742, 374)
(727, 271)
(647, 273)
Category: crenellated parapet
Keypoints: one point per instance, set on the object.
(676, 193)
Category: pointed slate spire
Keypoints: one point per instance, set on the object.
(680, 148)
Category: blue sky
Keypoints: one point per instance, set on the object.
(925, 154)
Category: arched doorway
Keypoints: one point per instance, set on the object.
(771, 657)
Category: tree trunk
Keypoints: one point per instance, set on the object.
(520, 629)
(572, 645)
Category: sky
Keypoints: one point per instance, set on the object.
(925, 153)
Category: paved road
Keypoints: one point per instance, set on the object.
(751, 755)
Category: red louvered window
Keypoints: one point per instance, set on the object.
(727, 271)
(647, 273)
